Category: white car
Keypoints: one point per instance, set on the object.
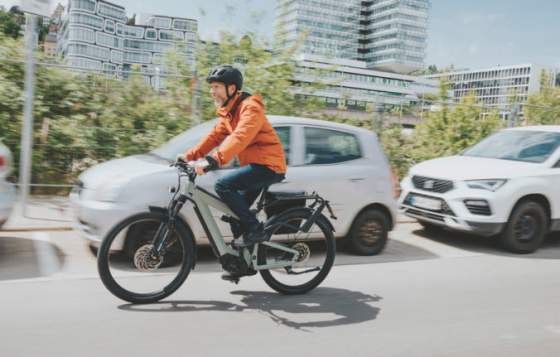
(506, 185)
(7, 189)
(344, 164)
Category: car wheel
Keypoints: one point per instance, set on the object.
(368, 235)
(527, 226)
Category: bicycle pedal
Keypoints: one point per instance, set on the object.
(231, 279)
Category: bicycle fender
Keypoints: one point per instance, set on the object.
(321, 217)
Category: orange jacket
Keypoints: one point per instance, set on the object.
(247, 134)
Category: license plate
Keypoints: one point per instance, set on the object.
(426, 203)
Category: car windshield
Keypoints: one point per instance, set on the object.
(517, 145)
(183, 142)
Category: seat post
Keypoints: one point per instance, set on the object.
(264, 191)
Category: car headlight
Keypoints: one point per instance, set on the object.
(110, 191)
(488, 185)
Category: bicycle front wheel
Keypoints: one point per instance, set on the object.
(316, 250)
(129, 265)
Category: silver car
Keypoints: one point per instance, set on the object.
(345, 164)
(7, 190)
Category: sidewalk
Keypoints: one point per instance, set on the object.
(43, 213)
(52, 213)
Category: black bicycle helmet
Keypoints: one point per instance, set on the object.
(226, 74)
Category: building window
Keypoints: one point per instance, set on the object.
(137, 57)
(138, 45)
(86, 19)
(84, 5)
(151, 34)
(146, 45)
(184, 25)
(160, 22)
(111, 11)
(158, 58)
(84, 63)
(190, 36)
(109, 26)
(117, 57)
(92, 51)
(81, 34)
(133, 31)
(110, 69)
(165, 35)
(109, 40)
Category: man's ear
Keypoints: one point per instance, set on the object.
(231, 89)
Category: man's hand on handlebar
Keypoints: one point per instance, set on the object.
(201, 166)
(181, 157)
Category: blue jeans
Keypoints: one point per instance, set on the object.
(241, 188)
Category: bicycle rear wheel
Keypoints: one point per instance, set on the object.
(144, 276)
(317, 250)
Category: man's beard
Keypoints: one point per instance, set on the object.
(219, 103)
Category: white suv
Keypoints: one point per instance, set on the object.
(506, 185)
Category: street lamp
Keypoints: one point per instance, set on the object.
(32, 8)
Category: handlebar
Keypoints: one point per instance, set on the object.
(189, 167)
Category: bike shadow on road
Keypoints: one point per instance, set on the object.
(297, 312)
(490, 245)
(22, 258)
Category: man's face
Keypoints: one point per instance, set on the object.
(218, 93)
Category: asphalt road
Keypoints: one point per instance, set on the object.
(443, 295)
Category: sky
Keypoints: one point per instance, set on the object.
(468, 34)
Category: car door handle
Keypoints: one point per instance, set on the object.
(356, 179)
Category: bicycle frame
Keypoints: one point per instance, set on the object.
(202, 201)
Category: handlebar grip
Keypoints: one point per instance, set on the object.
(212, 164)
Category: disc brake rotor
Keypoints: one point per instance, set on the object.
(145, 261)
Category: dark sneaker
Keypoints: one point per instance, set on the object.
(234, 277)
(255, 236)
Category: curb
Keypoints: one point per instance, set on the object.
(36, 229)
(68, 229)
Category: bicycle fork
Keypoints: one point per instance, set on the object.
(167, 227)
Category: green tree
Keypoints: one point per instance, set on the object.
(83, 119)
(80, 120)
(448, 130)
(543, 108)
(9, 23)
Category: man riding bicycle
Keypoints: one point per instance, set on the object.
(243, 131)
